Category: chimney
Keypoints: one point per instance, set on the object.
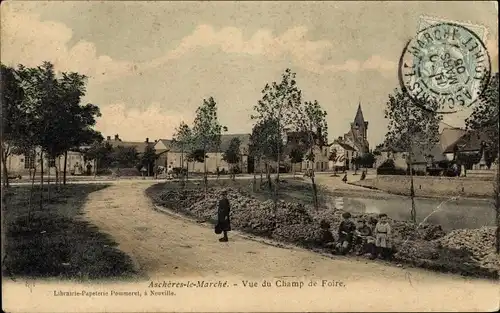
(147, 140)
(116, 137)
(108, 138)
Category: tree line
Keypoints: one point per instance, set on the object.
(42, 115)
(280, 112)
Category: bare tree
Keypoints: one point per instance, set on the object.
(411, 129)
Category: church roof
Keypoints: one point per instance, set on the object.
(359, 119)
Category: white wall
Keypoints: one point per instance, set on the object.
(16, 164)
(214, 160)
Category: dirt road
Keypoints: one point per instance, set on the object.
(165, 245)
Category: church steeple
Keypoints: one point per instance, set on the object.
(359, 120)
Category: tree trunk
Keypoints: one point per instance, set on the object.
(276, 188)
(254, 185)
(313, 183)
(217, 160)
(205, 178)
(268, 175)
(31, 195)
(48, 182)
(64, 168)
(95, 168)
(5, 171)
(315, 190)
(57, 165)
(41, 180)
(413, 212)
(183, 180)
(260, 170)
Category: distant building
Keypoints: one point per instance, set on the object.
(451, 141)
(139, 145)
(448, 138)
(321, 154)
(171, 155)
(344, 153)
(471, 143)
(24, 164)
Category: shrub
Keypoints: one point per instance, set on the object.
(178, 171)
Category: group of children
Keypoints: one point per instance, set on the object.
(363, 237)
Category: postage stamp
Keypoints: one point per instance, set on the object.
(445, 67)
(427, 21)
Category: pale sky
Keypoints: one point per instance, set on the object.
(151, 63)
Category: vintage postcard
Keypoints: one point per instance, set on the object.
(250, 156)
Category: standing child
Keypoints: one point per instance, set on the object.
(346, 233)
(382, 236)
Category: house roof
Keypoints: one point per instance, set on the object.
(344, 145)
(171, 146)
(470, 141)
(139, 145)
(421, 155)
(226, 141)
(449, 137)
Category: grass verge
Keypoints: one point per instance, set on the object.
(58, 243)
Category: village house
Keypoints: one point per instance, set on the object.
(423, 156)
(24, 165)
(321, 154)
(344, 154)
(171, 155)
(470, 143)
(451, 142)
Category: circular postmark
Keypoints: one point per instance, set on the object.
(445, 68)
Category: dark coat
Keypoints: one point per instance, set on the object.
(223, 213)
(346, 230)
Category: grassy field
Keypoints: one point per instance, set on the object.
(57, 243)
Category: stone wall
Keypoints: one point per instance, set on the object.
(432, 186)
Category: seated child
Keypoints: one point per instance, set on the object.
(346, 233)
(327, 238)
(362, 235)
